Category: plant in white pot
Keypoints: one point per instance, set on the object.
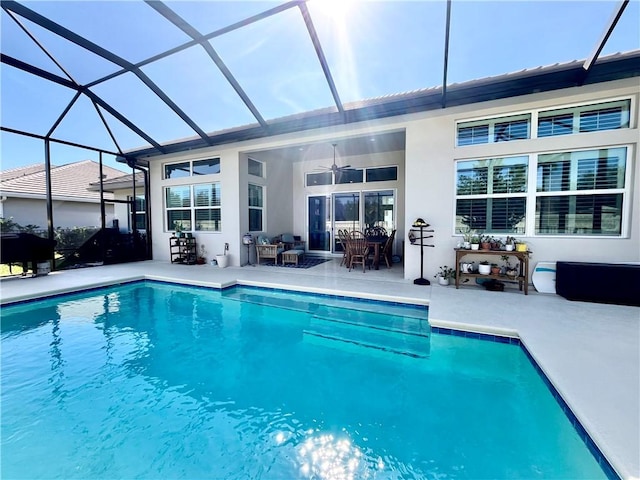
(484, 268)
(475, 242)
(445, 275)
(223, 258)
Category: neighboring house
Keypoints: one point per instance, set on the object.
(23, 194)
(532, 154)
(122, 191)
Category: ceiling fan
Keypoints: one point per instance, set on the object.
(335, 168)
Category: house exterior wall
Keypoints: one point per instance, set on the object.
(66, 213)
(231, 201)
(431, 184)
(427, 189)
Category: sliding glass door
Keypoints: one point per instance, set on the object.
(348, 211)
(319, 214)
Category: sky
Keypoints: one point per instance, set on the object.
(373, 48)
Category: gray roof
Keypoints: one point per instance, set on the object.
(69, 181)
(120, 183)
(524, 82)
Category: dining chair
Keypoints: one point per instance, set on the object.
(358, 250)
(343, 236)
(386, 250)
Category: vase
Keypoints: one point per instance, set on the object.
(475, 246)
(484, 269)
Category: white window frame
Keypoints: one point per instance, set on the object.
(532, 194)
(263, 166)
(625, 191)
(577, 109)
(491, 122)
(192, 206)
(491, 196)
(259, 208)
(190, 162)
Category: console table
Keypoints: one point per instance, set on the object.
(523, 272)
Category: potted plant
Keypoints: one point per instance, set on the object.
(177, 226)
(445, 275)
(509, 271)
(484, 268)
(485, 242)
(467, 236)
(509, 244)
(495, 269)
(475, 242)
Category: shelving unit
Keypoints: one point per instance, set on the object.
(523, 272)
(183, 250)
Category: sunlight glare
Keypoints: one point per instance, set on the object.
(335, 9)
(327, 458)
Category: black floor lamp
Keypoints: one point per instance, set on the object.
(419, 227)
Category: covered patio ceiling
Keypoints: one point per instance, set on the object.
(135, 76)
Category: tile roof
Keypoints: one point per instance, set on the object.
(70, 181)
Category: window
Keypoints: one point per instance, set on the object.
(491, 194)
(256, 205)
(584, 118)
(255, 167)
(382, 174)
(177, 170)
(206, 167)
(324, 178)
(350, 175)
(192, 168)
(503, 129)
(378, 209)
(194, 207)
(138, 216)
(581, 193)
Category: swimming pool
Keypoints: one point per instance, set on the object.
(152, 380)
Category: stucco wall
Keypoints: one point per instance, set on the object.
(66, 214)
(431, 155)
(428, 177)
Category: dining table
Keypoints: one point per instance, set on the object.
(377, 243)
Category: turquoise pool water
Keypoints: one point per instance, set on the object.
(153, 380)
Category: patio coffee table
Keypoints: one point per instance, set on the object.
(292, 256)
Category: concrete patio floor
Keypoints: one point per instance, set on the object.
(590, 352)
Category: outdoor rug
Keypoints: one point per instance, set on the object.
(308, 262)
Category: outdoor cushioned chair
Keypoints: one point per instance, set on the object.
(292, 242)
(265, 249)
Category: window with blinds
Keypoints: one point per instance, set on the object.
(581, 193)
(193, 207)
(491, 195)
(502, 129)
(256, 205)
(584, 118)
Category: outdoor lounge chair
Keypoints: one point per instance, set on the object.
(265, 249)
